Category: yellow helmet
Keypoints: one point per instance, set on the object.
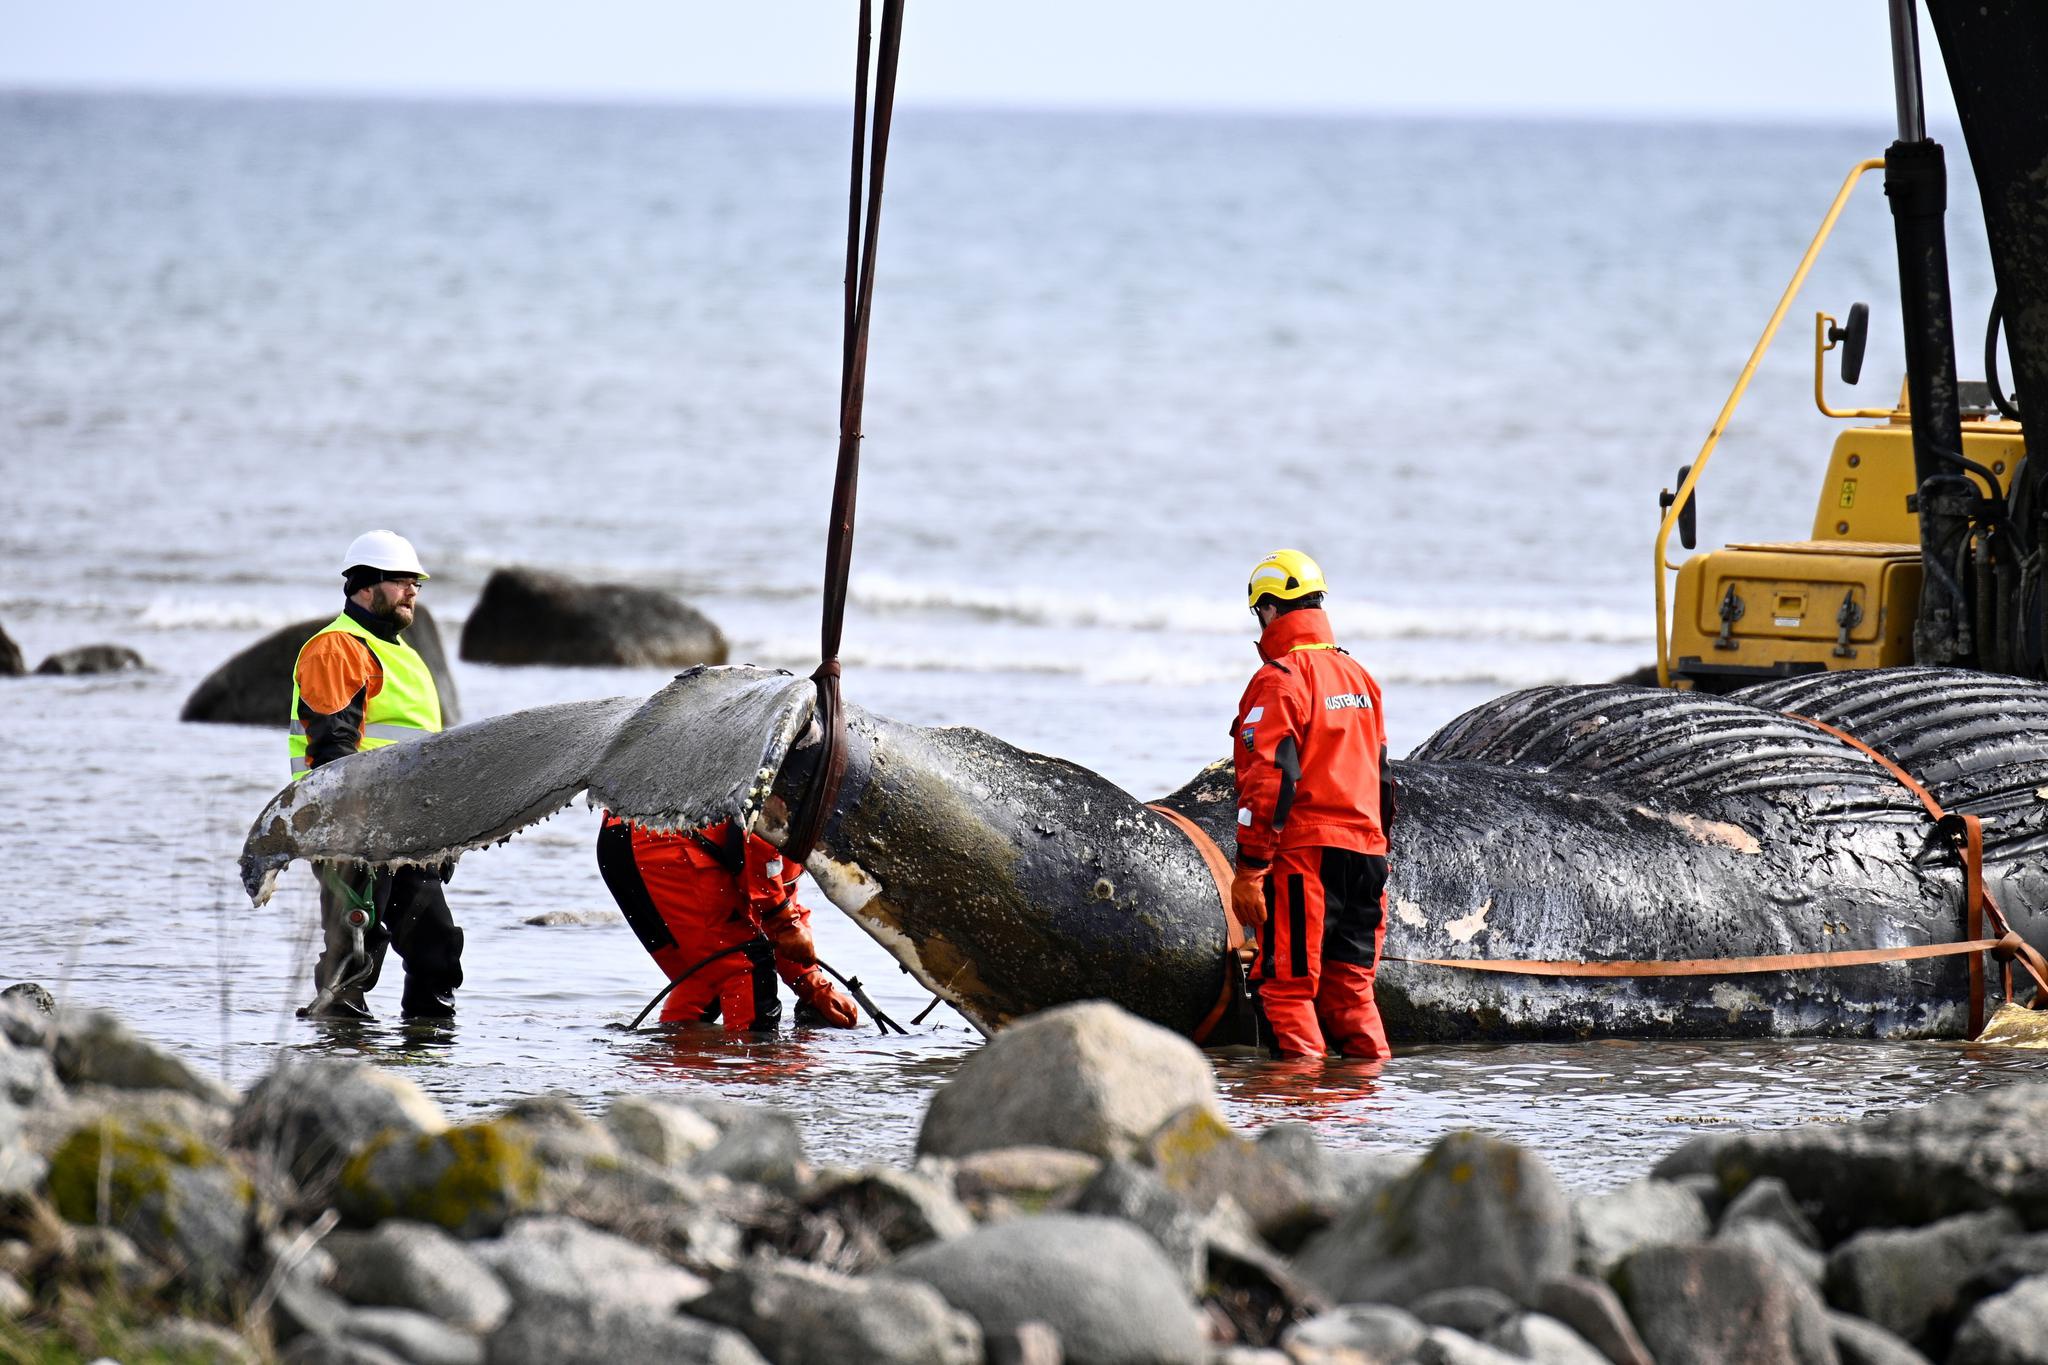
(1285, 574)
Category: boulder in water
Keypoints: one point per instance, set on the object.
(530, 616)
(83, 659)
(255, 687)
(11, 665)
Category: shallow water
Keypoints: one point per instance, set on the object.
(1116, 358)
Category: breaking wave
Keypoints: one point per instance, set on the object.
(1222, 616)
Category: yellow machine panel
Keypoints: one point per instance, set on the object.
(1870, 475)
(1750, 612)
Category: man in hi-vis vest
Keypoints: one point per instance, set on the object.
(358, 685)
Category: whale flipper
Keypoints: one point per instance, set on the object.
(703, 749)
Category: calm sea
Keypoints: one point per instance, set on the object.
(1115, 359)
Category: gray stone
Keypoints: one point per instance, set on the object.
(421, 1267)
(669, 1135)
(1698, 1155)
(1472, 1310)
(293, 1252)
(2020, 1259)
(1031, 1343)
(554, 1331)
(255, 686)
(300, 1309)
(560, 1258)
(22, 1168)
(84, 659)
(798, 1314)
(2006, 1329)
(49, 1126)
(1910, 1281)
(1087, 1077)
(1100, 1284)
(1980, 1149)
(1202, 1160)
(191, 1339)
(757, 1144)
(1593, 1310)
(1474, 1211)
(11, 664)
(14, 1300)
(1136, 1196)
(413, 1337)
(881, 1213)
(569, 1144)
(92, 1047)
(101, 1258)
(531, 616)
(1865, 1343)
(1356, 1334)
(26, 1076)
(1706, 1303)
(1768, 1200)
(1334, 1180)
(1003, 1181)
(29, 997)
(1705, 1188)
(310, 1117)
(168, 1190)
(1780, 1245)
(471, 1180)
(1641, 1214)
(1535, 1336)
(312, 1350)
(1446, 1346)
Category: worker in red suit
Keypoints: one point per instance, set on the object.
(1314, 802)
(718, 907)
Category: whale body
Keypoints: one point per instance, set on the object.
(1579, 823)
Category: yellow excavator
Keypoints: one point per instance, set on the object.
(1930, 523)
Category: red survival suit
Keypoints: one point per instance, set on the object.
(730, 898)
(1314, 803)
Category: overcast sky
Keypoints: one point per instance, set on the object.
(1743, 59)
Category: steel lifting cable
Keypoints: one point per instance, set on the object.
(863, 225)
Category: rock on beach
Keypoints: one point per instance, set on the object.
(1086, 1077)
(687, 1229)
(81, 660)
(531, 616)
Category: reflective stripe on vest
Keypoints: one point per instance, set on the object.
(405, 707)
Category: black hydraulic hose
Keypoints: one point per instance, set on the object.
(852, 984)
(695, 967)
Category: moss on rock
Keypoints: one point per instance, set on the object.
(136, 1162)
(470, 1180)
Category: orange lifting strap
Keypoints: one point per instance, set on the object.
(1220, 869)
(1968, 833)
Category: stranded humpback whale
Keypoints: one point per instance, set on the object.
(1584, 822)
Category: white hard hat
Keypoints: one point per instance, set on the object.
(386, 550)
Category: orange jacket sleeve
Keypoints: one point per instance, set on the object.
(1270, 726)
(333, 668)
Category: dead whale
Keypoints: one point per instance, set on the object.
(1565, 822)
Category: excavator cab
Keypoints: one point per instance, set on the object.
(1848, 595)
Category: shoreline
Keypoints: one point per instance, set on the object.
(1077, 1195)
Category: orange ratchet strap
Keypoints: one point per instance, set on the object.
(1221, 870)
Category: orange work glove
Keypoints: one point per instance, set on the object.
(791, 937)
(817, 991)
(1248, 897)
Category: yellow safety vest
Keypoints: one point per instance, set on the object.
(407, 706)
